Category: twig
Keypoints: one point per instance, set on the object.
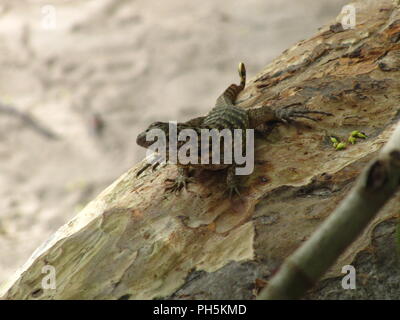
(27, 119)
(375, 186)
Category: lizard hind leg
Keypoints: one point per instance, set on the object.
(296, 110)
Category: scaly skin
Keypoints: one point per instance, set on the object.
(225, 115)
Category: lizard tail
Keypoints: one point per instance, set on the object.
(228, 97)
(242, 75)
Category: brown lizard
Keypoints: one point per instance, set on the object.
(225, 115)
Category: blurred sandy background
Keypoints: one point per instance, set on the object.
(102, 73)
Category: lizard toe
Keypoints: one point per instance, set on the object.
(291, 113)
(231, 191)
(178, 184)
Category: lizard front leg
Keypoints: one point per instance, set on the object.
(180, 181)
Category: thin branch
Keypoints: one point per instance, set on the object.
(375, 186)
(28, 120)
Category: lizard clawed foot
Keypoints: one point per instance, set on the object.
(153, 161)
(181, 181)
(290, 112)
(232, 183)
(231, 190)
(146, 166)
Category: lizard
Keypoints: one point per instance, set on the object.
(225, 115)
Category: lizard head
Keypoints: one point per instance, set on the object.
(141, 138)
